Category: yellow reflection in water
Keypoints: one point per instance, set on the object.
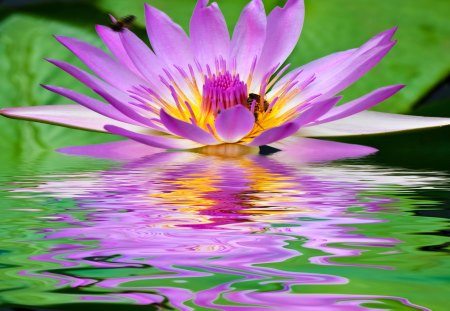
(246, 186)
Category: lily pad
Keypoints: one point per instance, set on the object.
(24, 43)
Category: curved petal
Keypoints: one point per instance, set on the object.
(209, 33)
(317, 110)
(371, 122)
(131, 112)
(102, 64)
(313, 68)
(187, 130)
(277, 133)
(357, 69)
(112, 40)
(360, 104)
(90, 103)
(89, 80)
(163, 142)
(234, 123)
(142, 56)
(249, 36)
(335, 66)
(284, 26)
(168, 40)
(74, 116)
(363, 59)
(300, 149)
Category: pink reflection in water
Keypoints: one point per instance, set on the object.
(214, 232)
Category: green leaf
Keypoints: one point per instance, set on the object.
(420, 59)
(24, 43)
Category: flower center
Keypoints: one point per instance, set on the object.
(223, 91)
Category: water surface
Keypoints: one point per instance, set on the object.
(185, 231)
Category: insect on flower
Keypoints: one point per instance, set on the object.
(124, 22)
(209, 89)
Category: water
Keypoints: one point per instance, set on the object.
(185, 231)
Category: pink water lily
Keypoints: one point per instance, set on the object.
(208, 89)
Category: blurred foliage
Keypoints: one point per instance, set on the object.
(420, 59)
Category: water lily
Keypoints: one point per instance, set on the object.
(210, 89)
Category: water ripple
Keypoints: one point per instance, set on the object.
(207, 233)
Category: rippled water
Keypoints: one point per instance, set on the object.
(182, 231)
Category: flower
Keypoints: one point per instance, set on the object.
(208, 89)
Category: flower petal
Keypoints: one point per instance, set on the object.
(163, 142)
(313, 68)
(348, 71)
(277, 133)
(102, 64)
(168, 39)
(284, 26)
(187, 130)
(209, 33)
(91, 103)
(234, 123)
(329, 70)
(74, 116)
(371, 122)
(357, 69)
(249, 36)
(142, 56)
(360, 104)
(131, 112)
(112, 40)
(300, 149)
(89, 80)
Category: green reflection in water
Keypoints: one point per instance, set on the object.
(350, 222)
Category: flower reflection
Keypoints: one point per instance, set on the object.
(240, 233)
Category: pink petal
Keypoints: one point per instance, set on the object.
(284, 26)
(357, 69)
(112, 40)
(290, 128)
(90, 103)
(209, 33)
(234, 123)
(124, 150)
(360, 104)
(131, 112)
(168, 40)
(75, 116)
(317, 110)
(348, 71)
(330, 69)
(301, 150)
(89, 80)
(163, 142)
(371, 122)
(275, 134)
(142, 56)
(316, 68)
(249, 36)
(187, 130)
(102, 64)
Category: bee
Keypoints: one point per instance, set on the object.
(260, 107)
(122, 23)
